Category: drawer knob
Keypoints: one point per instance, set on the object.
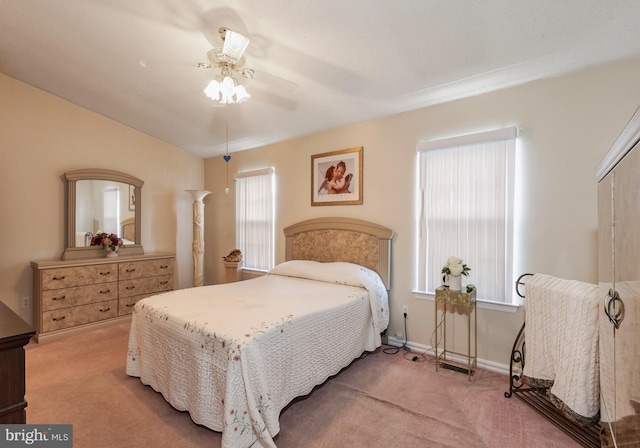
(59, 278)
(131, 270)
(59, 298)
(106, 273)
(103, 310)
(164, 283)
(105, 291)
(58, 318)
(130, 287)
(129, 305)
(164, 266)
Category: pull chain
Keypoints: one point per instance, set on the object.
(227, 157)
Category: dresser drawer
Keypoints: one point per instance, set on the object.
(54, 299)
(78, 276)
(146, 268)
(126, 304)
(78, 315)
(146, 285)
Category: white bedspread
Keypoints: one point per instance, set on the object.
(235, 355)
(562, 342)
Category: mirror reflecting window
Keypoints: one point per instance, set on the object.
(103, 206)
(101, 200)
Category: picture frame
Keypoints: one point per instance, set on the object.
(336, 177)
(132, 197)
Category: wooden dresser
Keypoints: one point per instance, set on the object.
(14, 335)
(72, 295)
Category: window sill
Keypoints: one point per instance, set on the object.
(248, 274)
(481, 304)
(256, 271)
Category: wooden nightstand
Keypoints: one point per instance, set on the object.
(447, 298)
(14, 335)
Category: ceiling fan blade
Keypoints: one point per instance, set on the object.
(274, 81)
(188, 64)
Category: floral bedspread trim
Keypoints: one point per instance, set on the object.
(152, 312)
(212, 341)
(263, 327)
(242, 421)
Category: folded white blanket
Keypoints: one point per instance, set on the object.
(562, 342)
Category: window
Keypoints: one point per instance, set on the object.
(465, 209)
(255, 218)
(111, 209)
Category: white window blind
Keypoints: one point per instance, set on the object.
(111, 210)
(255, 194)
(465, 200)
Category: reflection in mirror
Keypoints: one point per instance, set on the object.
(103, 206)
(100, 200)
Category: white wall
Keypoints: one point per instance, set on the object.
(41, 138)
(568, 123)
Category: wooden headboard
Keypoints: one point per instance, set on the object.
(128, 229)
(342, 239)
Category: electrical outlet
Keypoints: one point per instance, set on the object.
(26, 302)
(405, 310)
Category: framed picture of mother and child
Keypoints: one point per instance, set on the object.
(336, 177)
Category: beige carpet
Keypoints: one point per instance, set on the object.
(380, 400)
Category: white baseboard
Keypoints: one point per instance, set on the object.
(482, 363)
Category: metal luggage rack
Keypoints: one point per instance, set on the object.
(538, 397)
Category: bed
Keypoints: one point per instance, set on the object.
(234, 355)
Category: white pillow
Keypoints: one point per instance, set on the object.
(344, 274)
(332, 272)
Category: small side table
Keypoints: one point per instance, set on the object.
(446, 298)
(232, 270)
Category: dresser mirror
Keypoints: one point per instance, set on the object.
(101, 200)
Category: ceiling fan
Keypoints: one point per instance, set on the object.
(230, 61)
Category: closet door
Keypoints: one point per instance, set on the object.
(607, 330)
(626, 193)
(620, 323)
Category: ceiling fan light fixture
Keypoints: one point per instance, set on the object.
(227, 86)
(227, 91)
(213, 90)
(241, 94)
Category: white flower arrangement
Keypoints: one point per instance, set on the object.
(455, 267)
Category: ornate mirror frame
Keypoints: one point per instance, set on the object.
(75, 253)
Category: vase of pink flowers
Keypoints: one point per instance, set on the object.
(110, 242)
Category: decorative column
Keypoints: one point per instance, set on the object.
(232, 270)
(198, 235)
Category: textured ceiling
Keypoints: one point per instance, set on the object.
(319, 64)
